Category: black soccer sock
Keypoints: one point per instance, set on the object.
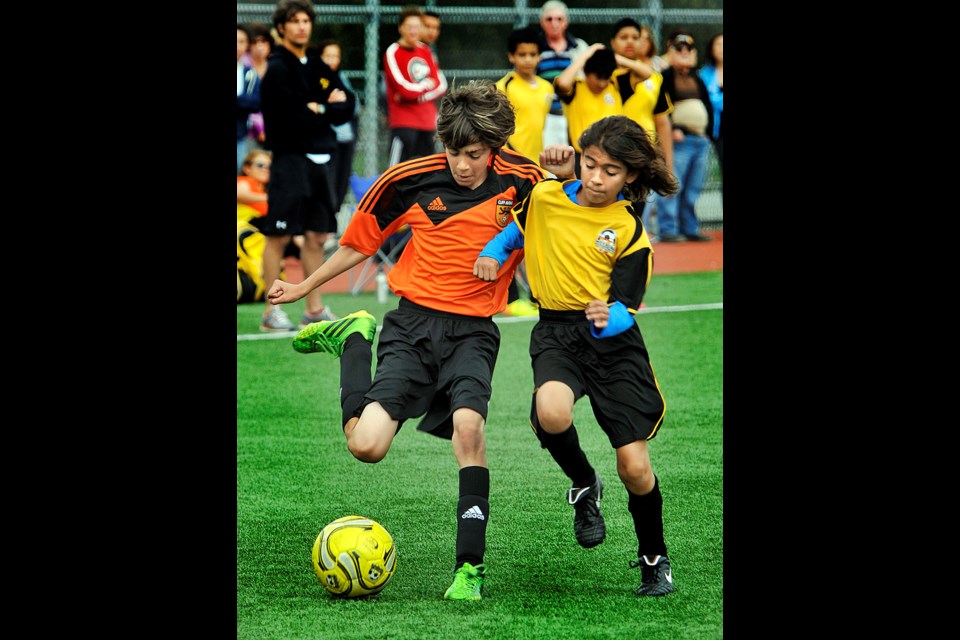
(473, 511)
(565, 449)
(354, 373)
(647, 512)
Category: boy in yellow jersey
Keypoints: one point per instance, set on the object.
(586, 341)
(595, 96)
(529, 94)
(642, 101)
(531, 97)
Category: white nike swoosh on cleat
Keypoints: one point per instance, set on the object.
(669, 576)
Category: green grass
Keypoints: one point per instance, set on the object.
(294, 475)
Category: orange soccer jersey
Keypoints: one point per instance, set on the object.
(450, 226)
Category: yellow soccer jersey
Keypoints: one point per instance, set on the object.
(531, 104)
(583, 107)
(576, 254)
(639, 101)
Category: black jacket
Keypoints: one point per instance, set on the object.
(290, 126)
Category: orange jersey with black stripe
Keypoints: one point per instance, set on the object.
(450, 226)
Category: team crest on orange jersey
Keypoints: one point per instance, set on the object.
(606, 242)
(503, 211)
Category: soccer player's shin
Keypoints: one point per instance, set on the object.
(565, 450)
(647, 512)
(354, 374)
(473, 511)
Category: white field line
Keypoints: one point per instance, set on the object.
(286, 335)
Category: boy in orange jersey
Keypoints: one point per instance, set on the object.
(437, 350)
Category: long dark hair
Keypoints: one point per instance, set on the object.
(625, 140)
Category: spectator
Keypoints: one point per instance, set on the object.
(594, 97)
(640, 86)
(248, 93)
(438, 349)
(252, 186)
(691, 120)
(413, 83)
(587, 342)
(531, 97)
(346, 133)
(261, 46)
(641, 96)
(431, 30)
(557, 50)
(301, 98)
(428, 36)
(712, 75)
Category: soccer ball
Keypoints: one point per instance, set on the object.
(354, 556)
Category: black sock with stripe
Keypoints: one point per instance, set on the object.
(473, 511)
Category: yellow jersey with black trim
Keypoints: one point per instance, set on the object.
(531, 104)
(640, 102)
(583, 107)
(576, 254)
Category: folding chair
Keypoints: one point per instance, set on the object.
(388, 253)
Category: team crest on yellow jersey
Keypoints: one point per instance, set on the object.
(606, 242)
(503, 211)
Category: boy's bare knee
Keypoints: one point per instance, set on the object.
(366, 452)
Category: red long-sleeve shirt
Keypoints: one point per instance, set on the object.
(410, 97)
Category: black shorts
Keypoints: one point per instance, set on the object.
(432, 362)
(615, 373)
(301, 196)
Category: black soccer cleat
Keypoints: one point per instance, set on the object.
(657, 577)
(588, 524)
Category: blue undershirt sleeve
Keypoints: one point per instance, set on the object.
(620, 320)
(503, 244)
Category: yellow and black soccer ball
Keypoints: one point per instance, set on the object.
(354, 557)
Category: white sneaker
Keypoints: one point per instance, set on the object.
(276, 319)
(310, 318)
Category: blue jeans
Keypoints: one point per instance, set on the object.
(677, 214)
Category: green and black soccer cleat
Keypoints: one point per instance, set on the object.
(467, 583)
(329, 335)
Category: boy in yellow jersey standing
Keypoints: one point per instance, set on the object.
(529, 94)
(594, 97)
(531, 97)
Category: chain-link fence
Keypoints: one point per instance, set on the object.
(472, 45)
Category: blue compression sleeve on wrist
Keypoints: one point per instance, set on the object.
(620, 320)
(503, 244)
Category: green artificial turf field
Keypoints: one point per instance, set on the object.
(294, 475)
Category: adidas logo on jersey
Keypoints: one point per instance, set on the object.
(437, 205)
(473, 512)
